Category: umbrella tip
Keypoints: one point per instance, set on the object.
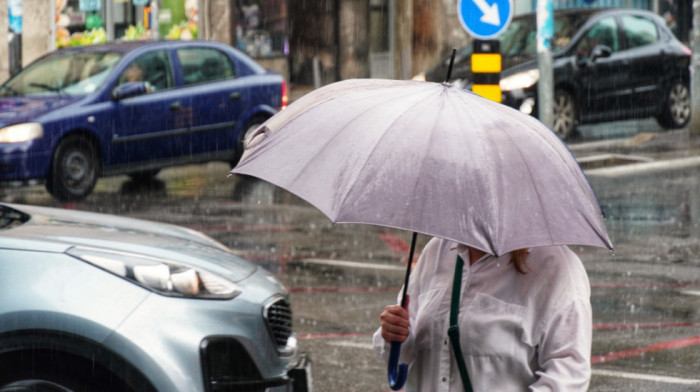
(449, 69)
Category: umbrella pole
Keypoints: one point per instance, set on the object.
(409, 264)
(449, 69)
(396, 372)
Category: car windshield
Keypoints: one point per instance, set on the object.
(62, 73)
(520, 38)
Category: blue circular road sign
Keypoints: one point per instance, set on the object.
(485, 19)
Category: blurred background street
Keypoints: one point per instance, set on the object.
(621, 99)
(646, 293)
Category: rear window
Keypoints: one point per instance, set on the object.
(639, 31)
(520, 38)
(204, 65)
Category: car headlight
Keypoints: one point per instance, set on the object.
(159, 275)
(520, 80)
(21, 133)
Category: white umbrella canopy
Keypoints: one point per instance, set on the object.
(429, 158)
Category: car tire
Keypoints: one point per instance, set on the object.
(676, 111)
(144, 176)
(252, 124)
(34, 386)
(564, 114)
(74, 169)
(55, 372)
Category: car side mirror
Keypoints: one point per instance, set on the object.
(129, 89)
(599, 52)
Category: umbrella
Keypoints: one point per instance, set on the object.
(430, 158)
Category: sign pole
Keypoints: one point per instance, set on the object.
(694, 126)
(485, 21)
(155, 25)
(545, 86)
(486, 69)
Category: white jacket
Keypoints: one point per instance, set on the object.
(516, 331)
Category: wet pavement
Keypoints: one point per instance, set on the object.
(645, 294)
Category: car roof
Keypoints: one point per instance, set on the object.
(591, 11)
(128, 46)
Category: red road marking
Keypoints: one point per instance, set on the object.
(330, 289)
(394, 242)
(670, 345)
(279, 257)
(399, 246)
(242, 227)
(613, 356)
(645, 285)
(645, 325)
(333, 335)
(599, 326)
(341, 289)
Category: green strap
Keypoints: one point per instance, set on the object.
(453, 330)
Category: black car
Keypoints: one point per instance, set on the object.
(609, 64)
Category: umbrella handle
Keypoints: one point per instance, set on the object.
(397, 372)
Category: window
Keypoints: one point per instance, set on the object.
(639, 31)
(63, 73)
(261, 28)
(153, 68)
(379, 26)
(602, 33)
(204, 65)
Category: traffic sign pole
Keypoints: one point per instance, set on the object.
(545, 86)
(694, 125)
(485, 20)
(486, 69)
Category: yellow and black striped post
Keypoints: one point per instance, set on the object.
(486, 69)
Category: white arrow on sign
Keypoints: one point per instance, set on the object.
(490, 12)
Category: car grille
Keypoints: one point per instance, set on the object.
(227, 366)
(278, 315)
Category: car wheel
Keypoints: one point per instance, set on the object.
(74, 169)
(676, 112)
(144, 176)
(564, 114)
(34, 386)
(252, 124)
(47, 371)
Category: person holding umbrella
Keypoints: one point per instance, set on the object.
(492, 185)
(523, 319)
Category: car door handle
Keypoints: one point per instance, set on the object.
(176, 106)
(235, 96)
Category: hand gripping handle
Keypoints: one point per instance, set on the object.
(398, 373)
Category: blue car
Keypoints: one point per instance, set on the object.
(132, 108)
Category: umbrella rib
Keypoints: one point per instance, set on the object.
(536, 186)
(369, 155)
(478, 194)
(581, 180)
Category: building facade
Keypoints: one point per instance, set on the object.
(309, 42)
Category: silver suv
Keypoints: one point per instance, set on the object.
(94, 302)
